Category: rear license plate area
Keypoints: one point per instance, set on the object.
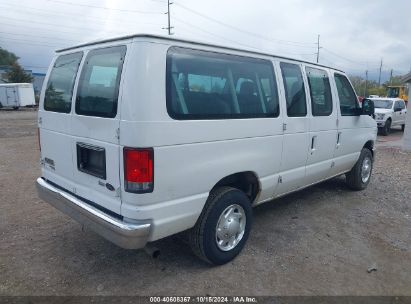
(91, 160)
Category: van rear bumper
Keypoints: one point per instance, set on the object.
(129, 235)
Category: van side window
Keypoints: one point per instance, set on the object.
(320, 92)
(208, 85)
(98, 88)
(347, 96)
(294, 90)
(59, 89)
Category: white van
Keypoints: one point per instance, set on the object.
(16, 95)
(143, 137)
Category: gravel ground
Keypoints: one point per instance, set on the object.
(319, 241)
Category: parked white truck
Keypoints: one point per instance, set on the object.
(389, 112)
(145, 136)
(16, 95)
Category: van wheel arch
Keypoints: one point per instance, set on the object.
(247, 181)
(370, 146)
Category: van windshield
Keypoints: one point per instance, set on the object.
(382, 104)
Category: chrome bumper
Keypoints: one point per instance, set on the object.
(129, 235)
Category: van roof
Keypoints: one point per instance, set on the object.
(142, 35)
(14, 84)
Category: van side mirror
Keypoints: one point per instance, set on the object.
(367, 107)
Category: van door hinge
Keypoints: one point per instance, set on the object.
(284, 126)
(280, 179)
(118, 133)
(332, 164)
(40, 120)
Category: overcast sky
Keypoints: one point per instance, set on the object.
(355, 35)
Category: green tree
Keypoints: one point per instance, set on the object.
(16, 74)
(372, 86)
(380, 91)
(7, 58)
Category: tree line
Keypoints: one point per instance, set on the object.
(366, 88)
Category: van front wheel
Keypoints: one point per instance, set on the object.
(359, 176)
(387, 128)
(223, 227)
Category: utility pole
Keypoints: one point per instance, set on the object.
(169, 27)
(318, 48)
(366, 84)
(379, 77)
(392, 71)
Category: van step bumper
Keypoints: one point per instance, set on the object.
(128, 235)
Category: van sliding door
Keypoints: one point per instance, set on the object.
(294, 154)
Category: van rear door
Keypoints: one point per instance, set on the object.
(54, 120)
(95, 128)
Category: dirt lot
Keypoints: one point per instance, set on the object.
(320, 241)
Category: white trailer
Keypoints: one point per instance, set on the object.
(16, 95)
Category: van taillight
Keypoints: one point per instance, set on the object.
(138, 170)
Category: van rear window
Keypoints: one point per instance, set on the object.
(97, 93)
(59, 90)
(208, 85)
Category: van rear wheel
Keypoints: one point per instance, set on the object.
(359, 176)
(223, 227)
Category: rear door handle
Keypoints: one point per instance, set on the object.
(313, 142)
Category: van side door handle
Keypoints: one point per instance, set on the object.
(313, 141)
(338, 140)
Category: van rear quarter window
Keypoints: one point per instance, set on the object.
(59, 89)
(97, 93)
(209, 85)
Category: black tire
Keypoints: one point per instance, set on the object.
(354, 177)
(387, 127)
(402, 128)
(202, 237)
